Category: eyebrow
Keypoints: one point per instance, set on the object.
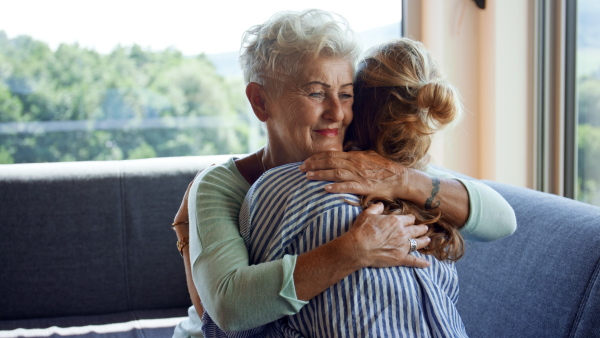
(325, 84)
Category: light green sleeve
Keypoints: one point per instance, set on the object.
(237, 296)
(490, 215)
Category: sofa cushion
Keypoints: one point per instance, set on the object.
(543, 281)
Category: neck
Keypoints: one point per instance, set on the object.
(251, 166)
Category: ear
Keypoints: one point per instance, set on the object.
(257, 98)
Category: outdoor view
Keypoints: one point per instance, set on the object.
(65, 97)
(588, 92)
(74, 104)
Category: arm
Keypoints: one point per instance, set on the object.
(182, 230)
(491, 216)
(480, 212)
(366, 173)
(326, 265)
(239, 296)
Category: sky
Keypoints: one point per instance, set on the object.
(193, 27)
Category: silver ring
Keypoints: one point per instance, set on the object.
(413, 245)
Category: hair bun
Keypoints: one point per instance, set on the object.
(440, 100)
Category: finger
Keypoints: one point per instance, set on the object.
(407, 220)
(417, 231)
(351, 187)
(374, 209)
(422, 242)
(325, 163)
(415, 262)
(334, 175)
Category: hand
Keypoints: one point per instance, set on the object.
(383, 240)
(358, 172)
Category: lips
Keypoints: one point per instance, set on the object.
(327, 132)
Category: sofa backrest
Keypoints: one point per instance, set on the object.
(92, 237)
(544, 280)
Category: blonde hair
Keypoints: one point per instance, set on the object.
(281, 46)
(401, 100)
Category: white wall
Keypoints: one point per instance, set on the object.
(488, 55)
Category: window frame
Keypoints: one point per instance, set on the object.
(556, 97)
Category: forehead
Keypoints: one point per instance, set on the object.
(329, 70)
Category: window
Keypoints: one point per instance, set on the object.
(123, 80)
(588, 101)
(568, 88)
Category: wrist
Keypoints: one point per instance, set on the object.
(181, 229)
(351, 251)
(182, 244)
(400, 188)
(418, 189)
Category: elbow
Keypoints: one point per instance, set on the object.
(506, 226)
(227, 316)
(511, 225)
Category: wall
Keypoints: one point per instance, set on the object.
(488, 55)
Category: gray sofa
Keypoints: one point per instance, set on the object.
(86, 250)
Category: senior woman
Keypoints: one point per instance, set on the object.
(299, 69)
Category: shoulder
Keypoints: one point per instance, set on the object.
(283, 175)
(294, 184)
(221, 179)
(287, 189)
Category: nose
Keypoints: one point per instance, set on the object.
(334, 111)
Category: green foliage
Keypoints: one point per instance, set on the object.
(75, 104)
(588, 137)
(589, 100)
(588, 164)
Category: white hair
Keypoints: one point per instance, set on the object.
(282, 44)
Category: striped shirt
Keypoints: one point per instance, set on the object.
(285, 214)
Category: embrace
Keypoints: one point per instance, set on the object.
(337, 227)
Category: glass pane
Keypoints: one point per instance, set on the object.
(588, 93)
(108, 80)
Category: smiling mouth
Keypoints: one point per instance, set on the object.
(327, 132)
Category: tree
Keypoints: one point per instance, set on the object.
(131, 103)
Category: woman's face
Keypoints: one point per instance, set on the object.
(313, 112)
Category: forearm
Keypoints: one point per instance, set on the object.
(323, 267)
(239, 296)
(490, 216)
(444, 194)
(182, 231)
(190, 283)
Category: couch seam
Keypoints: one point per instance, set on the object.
(584, 300)
(124, 237)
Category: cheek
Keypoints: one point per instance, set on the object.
(302, 114)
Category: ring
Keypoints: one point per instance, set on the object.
(413, 245)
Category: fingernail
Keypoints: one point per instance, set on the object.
(328, 187)
(302, 167)
(310, 174)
